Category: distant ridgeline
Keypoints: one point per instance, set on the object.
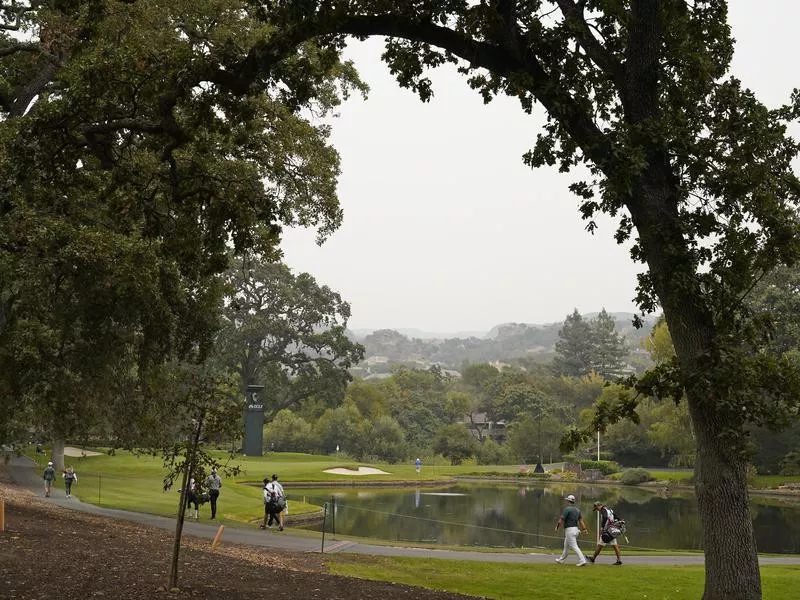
(502, 343)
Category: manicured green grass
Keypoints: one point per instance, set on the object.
(135, 482)
(551, 582)
(671, 476)
(773, 481)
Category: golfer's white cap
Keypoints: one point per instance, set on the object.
(569, 498)
(49, 464)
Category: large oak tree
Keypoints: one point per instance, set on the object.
(697, 170)
(130, 171)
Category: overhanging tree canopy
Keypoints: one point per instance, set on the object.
(128, 175)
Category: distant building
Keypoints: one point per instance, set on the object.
(480, 425)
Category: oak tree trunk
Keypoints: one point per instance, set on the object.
(58, 454)
(731, 568)
(732, 571)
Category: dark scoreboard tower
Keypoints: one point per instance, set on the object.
(253, 421)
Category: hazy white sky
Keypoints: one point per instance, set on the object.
(445, 229)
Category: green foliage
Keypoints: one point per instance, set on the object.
(288, 432)
(635, 476)
(417, 401)
(530, 439)
(590, 346)
(659, 343)
(456, 443)
(606, 467)
(386, 441)
(574, 347)
(285, 332)
(133, 161)
(790, 465)
(491, 453)
(609, 350)
(342, 427)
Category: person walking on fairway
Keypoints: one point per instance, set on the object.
(572, 522)
(49, 477)
(213, 484)
(274, 503)
(606, 520)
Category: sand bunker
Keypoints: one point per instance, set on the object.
(70, 451)
(359, 471)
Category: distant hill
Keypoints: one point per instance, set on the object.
(503, 342)
(360, 334)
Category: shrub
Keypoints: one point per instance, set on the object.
(790, 465)
(606, 467)
(492, 453)
(636, 476)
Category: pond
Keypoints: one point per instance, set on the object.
(523, 516)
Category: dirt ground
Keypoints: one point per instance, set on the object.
(53, 552)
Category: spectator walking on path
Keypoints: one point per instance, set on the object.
(606, 537)
(572, 521)
(70, 477)
(49, 477)
(274, 503)
(193, 497)
(213, 484)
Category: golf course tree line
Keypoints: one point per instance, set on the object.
(517, 414)
(141, 139)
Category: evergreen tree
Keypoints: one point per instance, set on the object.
(574, 347)
(609, 349)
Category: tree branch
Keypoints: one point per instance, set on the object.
(500, 60)
(32, 47)
(574, 18)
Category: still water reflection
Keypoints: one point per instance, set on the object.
(513, 516)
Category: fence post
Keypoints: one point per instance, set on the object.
(99, 485)
(2, 516)
(324, 518)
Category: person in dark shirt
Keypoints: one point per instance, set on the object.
(213, 485)
(49, 476)
(572, 522)
(70, 477)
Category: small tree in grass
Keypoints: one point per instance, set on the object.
(203, 404)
